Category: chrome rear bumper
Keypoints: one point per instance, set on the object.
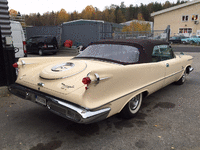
(60, 107)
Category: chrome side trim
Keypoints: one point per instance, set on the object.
(24, 63)
(97, 78)
(104, 78)
(174, 73)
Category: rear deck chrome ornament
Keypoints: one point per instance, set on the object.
(62, 70)
(64, 86)
(63, 67)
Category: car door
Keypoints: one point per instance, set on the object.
(173, 67)
(158, 68)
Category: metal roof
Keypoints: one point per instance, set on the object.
(175, 7)
(84, 20)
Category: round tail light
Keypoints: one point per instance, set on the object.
(86, 80)
(15, 65)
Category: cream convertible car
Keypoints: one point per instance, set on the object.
(108, 77)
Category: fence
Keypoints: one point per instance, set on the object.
(155, 34)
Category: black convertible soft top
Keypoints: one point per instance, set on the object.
(145, 46)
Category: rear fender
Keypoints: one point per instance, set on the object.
(135, 94)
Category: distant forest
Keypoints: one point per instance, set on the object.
(114, 13)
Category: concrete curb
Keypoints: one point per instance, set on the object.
(4, 91)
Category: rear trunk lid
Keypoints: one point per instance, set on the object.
(59, 77)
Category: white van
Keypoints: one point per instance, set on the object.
(18, 39)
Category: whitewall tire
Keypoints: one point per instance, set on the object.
(132, 107)
(182, 79)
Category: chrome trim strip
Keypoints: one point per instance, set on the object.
(24, 63)
(62, 66)
(98, 78)
(104, 78)
(174, 74)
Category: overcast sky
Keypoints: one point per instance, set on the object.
(42, 6)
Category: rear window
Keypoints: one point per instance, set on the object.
(45, 39)
(114, 52)
(50, 39)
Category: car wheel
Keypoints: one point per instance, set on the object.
(40, 52)
(132, 107)
(182, 79)
(191, 42)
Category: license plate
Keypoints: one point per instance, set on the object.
(41, 100)
(50, 45)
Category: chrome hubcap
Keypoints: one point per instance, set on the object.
(134, 102)
(183, 77)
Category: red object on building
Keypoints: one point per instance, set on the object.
(68, 43)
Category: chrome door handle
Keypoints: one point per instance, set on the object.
(167, 65)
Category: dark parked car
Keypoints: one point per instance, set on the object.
(42, 44)
(176, 39)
